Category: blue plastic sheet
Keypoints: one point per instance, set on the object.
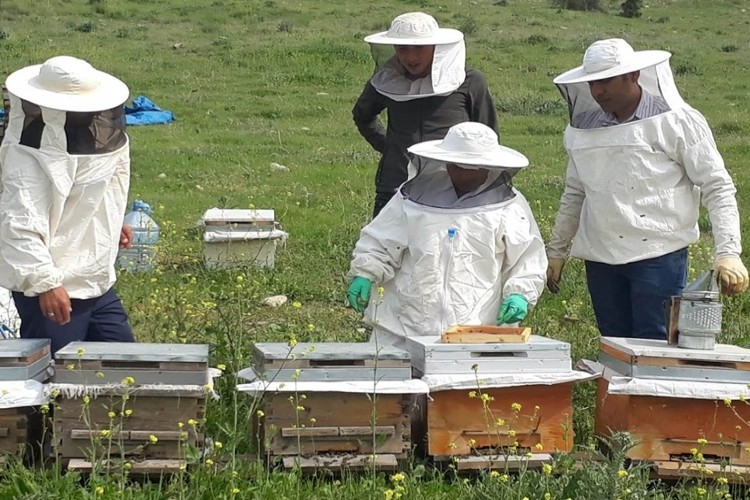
(145, 112)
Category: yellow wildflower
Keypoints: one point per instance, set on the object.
(153, 439)
(105, 432)
(235, 491)
(128, 381)
(292, 342)
(99, 490)
(209, 462)
(221, 366)
(622, 473)
(494, 473)
(702, 441)
(111, 414)
(86, 400)
(81, 351)
(500, 422)
(472, 394)
(547, 468)
(297, 304)
(399, 476)
(260, 413)
(218, 445)
(516, 407)
(538, 446)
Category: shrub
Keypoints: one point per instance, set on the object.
(630, 8)
(577, 4)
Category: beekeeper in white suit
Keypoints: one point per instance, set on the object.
(457, 245)
(65, 167)
(640, 162)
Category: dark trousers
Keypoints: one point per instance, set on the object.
(629, 299)
(102, 319)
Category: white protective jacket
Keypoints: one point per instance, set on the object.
(633, 190)
(441, 267)
(61, 214)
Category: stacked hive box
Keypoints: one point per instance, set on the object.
(24, 365)
(674, 402)
(142, 401)
(332, 405)
(488, 401)
(235, 237)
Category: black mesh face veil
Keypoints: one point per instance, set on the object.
(432, 186)
(96, 133)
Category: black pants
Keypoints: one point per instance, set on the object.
(101, 319)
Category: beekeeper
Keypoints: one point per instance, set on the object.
(421, 81)
(457, 245)
(65, 170)
(640, 162)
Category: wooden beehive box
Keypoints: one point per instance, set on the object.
(336, 425)
(485, 334)
(646, 358)
(155, 415)
(336, 361)
(666, 429)
(98, 363)
(539, 355)
(25, 359)
(459, 423)
(236, 237)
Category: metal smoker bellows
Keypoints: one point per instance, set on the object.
(700, 313)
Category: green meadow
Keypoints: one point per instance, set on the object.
(258, 82)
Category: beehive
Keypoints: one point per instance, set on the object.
(321, 408)
(494, 399)
(142, 401)
(673, 402)
(22, 360)
(236, 237)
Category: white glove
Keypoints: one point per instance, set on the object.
(733, 275)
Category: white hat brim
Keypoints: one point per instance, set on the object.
(110, 93)
(442, 37)
(639, 60)
(499, 156)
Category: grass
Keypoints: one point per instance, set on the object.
(265, 81)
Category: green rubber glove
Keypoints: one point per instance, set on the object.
(359, 293)
(513, 309)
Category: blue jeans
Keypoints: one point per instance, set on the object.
(101, 319)
(629, 300)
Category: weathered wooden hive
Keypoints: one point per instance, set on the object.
(677, 402)
(24, 365)
(489, 401)
(143, 401)
(332, 404)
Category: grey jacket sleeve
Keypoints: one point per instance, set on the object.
(366, 114)
(481, 105)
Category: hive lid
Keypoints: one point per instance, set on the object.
(217, 216)
(22, 348)
(133, 351)
(328, 351)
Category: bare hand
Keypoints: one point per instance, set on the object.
(55, 305)
(126, 236)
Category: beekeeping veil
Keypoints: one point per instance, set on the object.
(614, 57)
(416, 28)
(469, 145)
(65, 175)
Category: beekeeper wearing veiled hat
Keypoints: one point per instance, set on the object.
(65, 170)
(421, 80)
(640, 162)
(457, 245)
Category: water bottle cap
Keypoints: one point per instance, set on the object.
(141, 206)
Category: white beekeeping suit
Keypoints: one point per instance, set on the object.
(65, 174)
(444, 259)
(633, 188)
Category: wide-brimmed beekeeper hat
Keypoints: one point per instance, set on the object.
(611, 57)
(415, 28)
(473, 144)
(68, 84)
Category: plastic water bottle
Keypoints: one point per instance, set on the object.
(141, 256)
